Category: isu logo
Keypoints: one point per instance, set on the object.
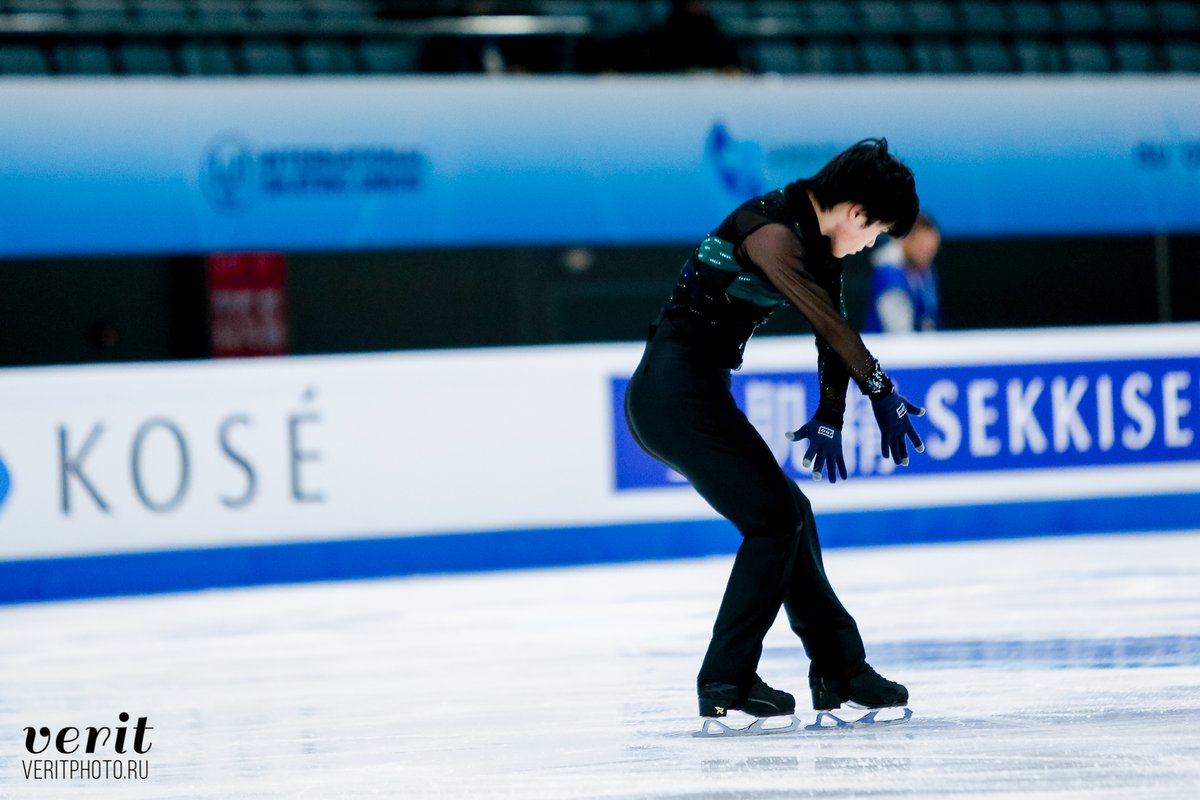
(227, 172)
(233, 174)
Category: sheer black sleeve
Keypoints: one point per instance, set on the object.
(779, 253)
(832, 374)
(833, 378)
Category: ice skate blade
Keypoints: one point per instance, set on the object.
(868, 720)
(713, 728)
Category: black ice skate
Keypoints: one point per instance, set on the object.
(865, 689)
(760, 700)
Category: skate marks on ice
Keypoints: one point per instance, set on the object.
(863, 721)
(966, 742)
(1130, 652)
(1127, 652)
(1056, 669)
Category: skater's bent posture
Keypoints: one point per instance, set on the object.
(783, 247)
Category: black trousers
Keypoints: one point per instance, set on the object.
(680, 411)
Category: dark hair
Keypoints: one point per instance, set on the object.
(871, 176)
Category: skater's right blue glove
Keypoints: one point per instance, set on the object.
(824, 449)
(894, 413)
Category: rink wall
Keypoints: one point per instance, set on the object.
(176, 476)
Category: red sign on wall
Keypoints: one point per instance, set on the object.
(247, 304)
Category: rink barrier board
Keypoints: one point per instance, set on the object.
(142, 478)
(226, 567)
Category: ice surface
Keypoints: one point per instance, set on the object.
(1056, 668)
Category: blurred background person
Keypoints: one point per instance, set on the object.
(691, 40)
(904, 284)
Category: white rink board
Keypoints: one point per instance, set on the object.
(328, 448)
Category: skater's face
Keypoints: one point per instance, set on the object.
(853, 231)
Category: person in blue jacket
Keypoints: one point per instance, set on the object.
(904, 283)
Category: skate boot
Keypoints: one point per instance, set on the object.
(760, 700)
(866, 689)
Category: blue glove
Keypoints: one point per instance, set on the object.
(894, 413)
(824, 449)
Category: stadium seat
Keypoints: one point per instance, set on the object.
(207, 58)
(344, 12)
(728, 14)
(390, 57)
(616, 18)
(285, 37)
(222, 15)
(1033, 18)
(1131, 16)
(937, 57)
(22, 59)
(268, 57)
(326, 58)
(827, 17)
(984, 16)
(1083, 55)
(169, 14)
(49, 13)
(1038, 56)
(144, 58)
(561, 7)
(778, 55)
(884, 57)
(1179, 17)
(1135, 55)
(985, 55)
(1082, 17)
(279, 14)
(785, 13)
(1182, 56)
(828, 57)
(54, 7)
(884, 16)
(83, 58)
(933, 16)
(99, 15)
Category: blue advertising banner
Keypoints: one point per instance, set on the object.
(127, 478)
(993, 417)
(164, 166)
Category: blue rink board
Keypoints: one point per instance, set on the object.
(187, 570)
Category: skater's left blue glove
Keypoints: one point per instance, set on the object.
(824, 449)
(894, 415)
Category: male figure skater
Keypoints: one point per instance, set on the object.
(780, 248)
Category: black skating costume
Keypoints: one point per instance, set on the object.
(767, 253)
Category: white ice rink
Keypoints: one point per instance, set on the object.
(1056, 668)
